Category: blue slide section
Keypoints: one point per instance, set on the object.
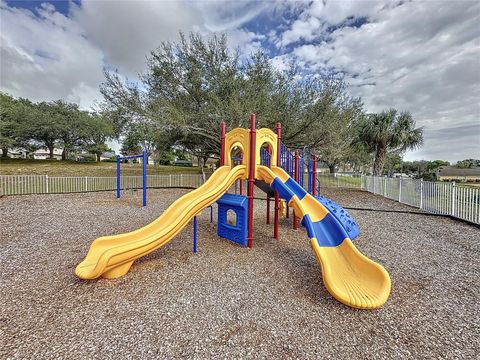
(342, 216)
(325, 231)
(329, 231)
(288, 189)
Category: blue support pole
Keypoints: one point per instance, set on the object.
(118, 177)
(282, 157)
(144, 173)
(312, 177)
(308, 176)
(194, 234)
(300, 168)
(288, 163)
(310, 173)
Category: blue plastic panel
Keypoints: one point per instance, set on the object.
(341, 215)
(233, 200)
(296, 188)
(238, 232)
(283, 191)
(327, 231)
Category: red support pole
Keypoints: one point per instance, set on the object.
(314, 175)
(278, 130)
(251, 178)
(222, 143)
(295, 219)
(275, 220)
(268, 209)
(270, 157)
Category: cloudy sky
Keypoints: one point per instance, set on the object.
(420, 56)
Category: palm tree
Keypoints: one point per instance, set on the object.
(389, 131)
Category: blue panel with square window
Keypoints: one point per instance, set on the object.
(235, 231)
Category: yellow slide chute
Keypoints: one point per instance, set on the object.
(351, 277)
(112, 256)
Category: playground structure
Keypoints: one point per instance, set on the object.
(348, 275)
(142, 156)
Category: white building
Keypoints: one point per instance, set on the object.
(107, 156)
(43, 154)
(16, 153)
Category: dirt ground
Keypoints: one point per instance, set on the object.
(227, 301)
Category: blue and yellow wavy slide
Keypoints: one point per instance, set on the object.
(349, 276)
(112, 256)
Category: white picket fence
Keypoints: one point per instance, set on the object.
(44, 184)
(434, 197)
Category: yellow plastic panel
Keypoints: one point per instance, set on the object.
(351, 277)
(283, 208)
(308, 205)
(266, 136)
(237, 137)
(278, 172)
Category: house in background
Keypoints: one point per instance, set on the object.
(16, 153)
(401, 175)
(107, 156)
(40, 154)
(44, 154)
(452, 173)
(150, 160)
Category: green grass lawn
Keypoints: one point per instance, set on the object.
(339, 180)
(469, 185)
(74, 168)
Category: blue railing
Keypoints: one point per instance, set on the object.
(265, 157)
(301, 169)
(287, 160)
(287, 163)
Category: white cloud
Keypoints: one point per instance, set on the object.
(246, 42)
(47, 57)
(315, 19)
(422, 57)
(127, 30)
(229, 15)
(306, 29)
(335, 12)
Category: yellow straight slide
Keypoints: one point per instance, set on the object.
(112, 256)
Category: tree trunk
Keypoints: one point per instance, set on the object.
(331, 168)
(98, 157)
(64, 154)
(50, 148)
(380, 156)
(4, 153)
(205, 159)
